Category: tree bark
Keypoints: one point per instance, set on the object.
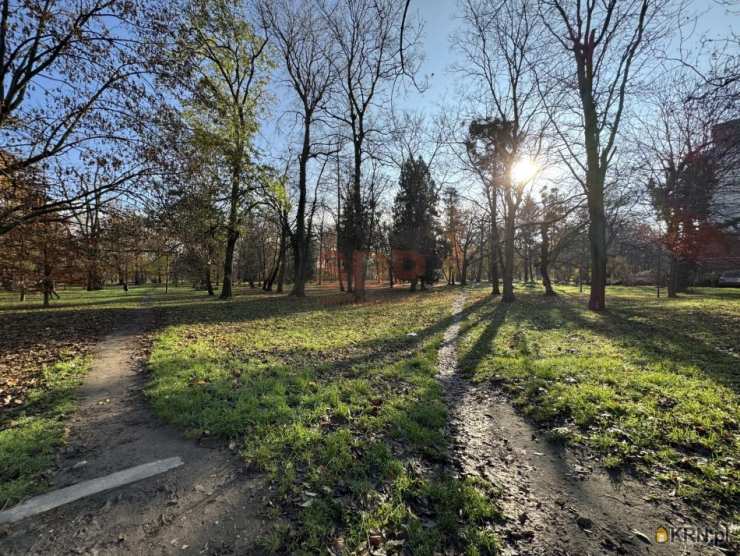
(494, 261)
(545, 260)
(595, 198)
(359, 278)
(339, 220)
(546, 282)
(339, 272)
(299, 272)
(357, 226)
(673, 277)
(94, 280)
(464, 269)
(508, 271)
(597, 242)
(226, 290)
(209, 284)
(479, 272)
(300, 238)
(321, 250)
(281, 262)
(232, 235)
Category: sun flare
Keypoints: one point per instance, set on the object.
(523, 170)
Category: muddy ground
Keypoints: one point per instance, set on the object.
(209, 505)
(556, 501)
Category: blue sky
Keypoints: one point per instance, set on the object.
(440, 19)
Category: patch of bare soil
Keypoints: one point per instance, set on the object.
(209, 505)
(556, 502)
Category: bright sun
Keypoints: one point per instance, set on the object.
(523, 170)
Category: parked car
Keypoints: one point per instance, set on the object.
(729, 279)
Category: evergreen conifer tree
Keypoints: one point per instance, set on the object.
(415, 225)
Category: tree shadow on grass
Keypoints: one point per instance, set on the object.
(484, 344)
(31, 339)
(656, 343)
(277, 364)
(350, 429)
(648, 364)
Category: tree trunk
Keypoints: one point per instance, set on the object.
(339, 219)
(546, 279)
(495, 289)
(545, 260)
(209, 284)
(595, 175)
(348, 272)
(270, 280)
(94, 281)
(226, 290)
(358, 256)
(281, 262)
(299, 271)
(673, 277)
(321, 249)
(232, 235)
(508, 274)
(597, 240)
(359, 279)
(494, 264)
(300, 238)
(339, 272)
(47, 281)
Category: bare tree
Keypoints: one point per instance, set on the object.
(499, 45)
(367, 57)
(301, 36)
(602, 43)
(558, 229)
(88, 112)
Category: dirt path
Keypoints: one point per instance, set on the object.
(206, 506)
(555, 502)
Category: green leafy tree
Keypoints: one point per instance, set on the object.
(227, 68)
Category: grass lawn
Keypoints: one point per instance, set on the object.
(340, 406)
(31, 434)
(44, 354)
(650, 385)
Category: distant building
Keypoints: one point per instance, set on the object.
(722, 251)
(725, 206)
